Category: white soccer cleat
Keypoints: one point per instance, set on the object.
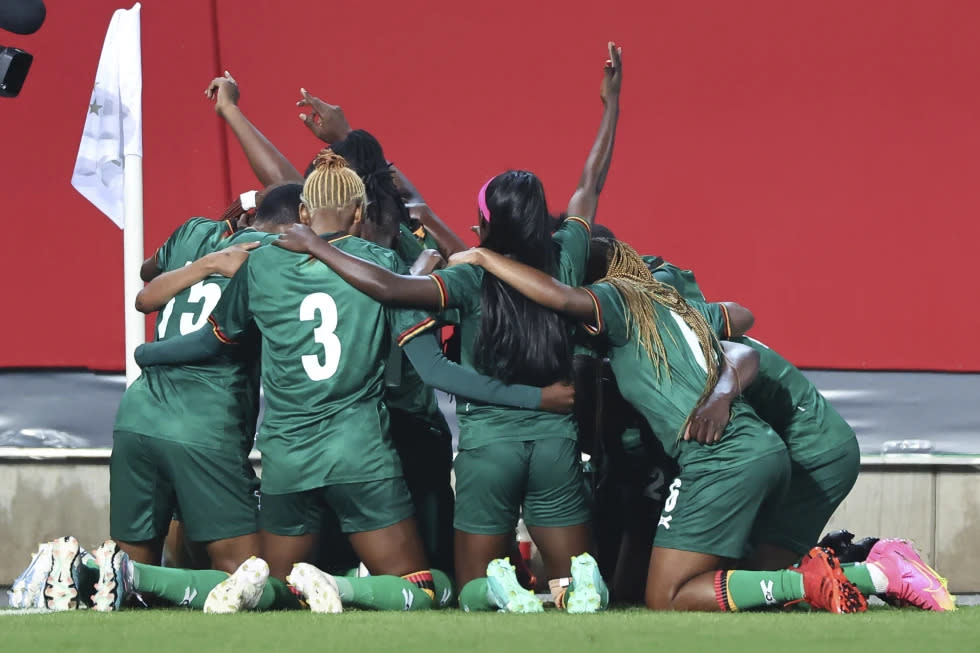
(240, 591)
(115, 578)
(28, 589)
(61, 585)
(318, 588)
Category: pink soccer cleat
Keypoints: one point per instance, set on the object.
(910, 580)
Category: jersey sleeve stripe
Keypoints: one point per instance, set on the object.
(218, 333)
(229, 231)
(415, 330)
(728, 321)
(598, 327)
(443, 293)
(585, 224)
(333, 240)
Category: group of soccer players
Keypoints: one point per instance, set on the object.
(715, 462)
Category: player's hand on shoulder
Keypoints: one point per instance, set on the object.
(709, 421)
(227, 261)
(298, 238)
(558, 398)
(326, 121)
(473, 256)
(224, 91)
(428, 261)
(612, 78)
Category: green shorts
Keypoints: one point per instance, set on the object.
(360, 507)
(819, 484)
(713, 510)
(495, 481)
(215, 492)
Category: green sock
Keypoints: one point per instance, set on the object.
(474, 597)
(181, 587)
(863, 575)
(382, 593)
(744, 590)
(444, 589)
(276, 595)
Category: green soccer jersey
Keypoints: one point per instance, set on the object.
(412, 243)
(781, 394)
(407, 392)
(324, 350)
(213, 404)
(665, 400)
(461, 288)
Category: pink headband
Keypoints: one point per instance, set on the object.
(481, 199)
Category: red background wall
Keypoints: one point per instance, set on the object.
(815, 161)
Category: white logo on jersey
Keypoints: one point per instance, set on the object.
(189, 595)
(767, 591)
(446, 595)
(675, 489)
(665, 522)
(409, 599)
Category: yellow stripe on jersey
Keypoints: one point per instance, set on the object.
(413, 331)
(599, 326)
(218, 333)
(443, 293)
(728, 322)
(580, 220)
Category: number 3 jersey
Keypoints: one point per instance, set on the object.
(324, 348)
(213, 404)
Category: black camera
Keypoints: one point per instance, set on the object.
(14, 65)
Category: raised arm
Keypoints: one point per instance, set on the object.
(585, 199)
(163, 287)
(449, 243)
(373, 280)
(439, 372)
(739, 366)
(534, 284)
(268, 163)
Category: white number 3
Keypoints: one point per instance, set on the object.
(323, 334)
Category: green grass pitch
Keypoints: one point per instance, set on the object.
(177, 631)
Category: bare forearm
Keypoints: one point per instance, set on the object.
(267, 162)
(539, 287)
(585, 200)
(376, 282)
(738, 370)
(164, 287)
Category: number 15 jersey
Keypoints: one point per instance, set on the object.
(324, 348)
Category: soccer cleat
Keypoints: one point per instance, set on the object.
(115, 577)
(910, 580)
(590, 593)
(824, 585)
(837, 541)
(504, 591)
(844, 548)
(318, 588)
(27, 590)
(240, 591)
(61, 586)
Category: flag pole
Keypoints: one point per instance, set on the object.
(133, 259)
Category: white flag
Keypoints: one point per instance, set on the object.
(114, 122)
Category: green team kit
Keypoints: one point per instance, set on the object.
(822, 447)
(501, 447)
(182, 434)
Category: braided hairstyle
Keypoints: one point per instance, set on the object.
(332, 184)
(629, 275)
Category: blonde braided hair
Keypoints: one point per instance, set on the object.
(629, 275)
(332, 184)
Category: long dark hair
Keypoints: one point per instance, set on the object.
(385, 207)
(519, 341)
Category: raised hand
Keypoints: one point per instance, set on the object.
(612, 78)
(428, 261)
(298, 238)
(224, 91)
(227, 261)
(326, 121)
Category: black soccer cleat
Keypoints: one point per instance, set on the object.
(836, 540)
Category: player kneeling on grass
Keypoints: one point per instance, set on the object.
(723, 488)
